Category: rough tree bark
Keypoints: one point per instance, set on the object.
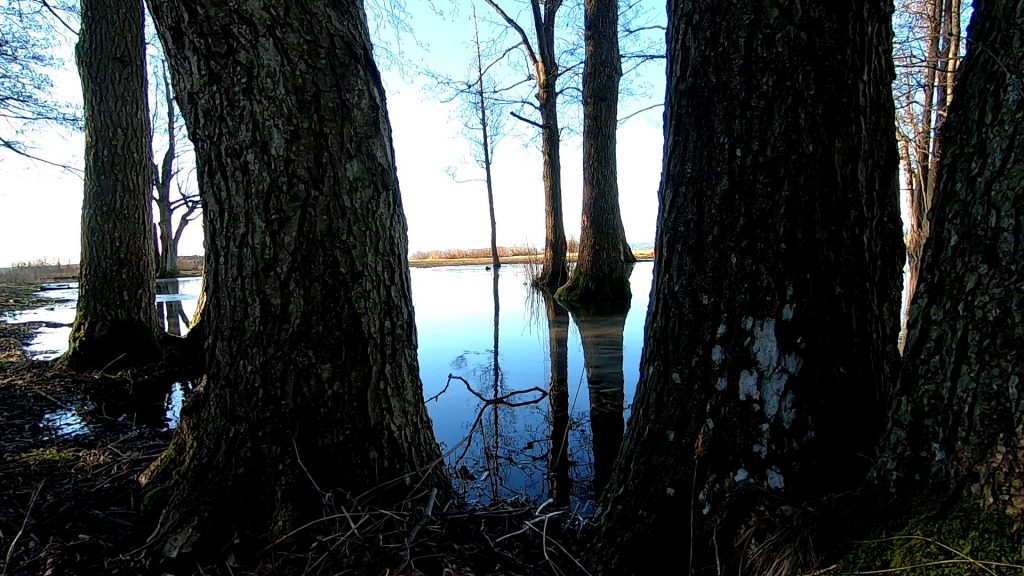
(116, 323)
(312, 382)
(601, 275)
(958, 425)
(555, 267)
(771, 343)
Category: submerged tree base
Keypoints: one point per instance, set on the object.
(605, 293)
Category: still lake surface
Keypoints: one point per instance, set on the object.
(527, 402)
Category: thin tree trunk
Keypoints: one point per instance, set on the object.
(771, 342)
(601, 275)
(958, 423)
(555, 267)
(312, 381)
(116, 322)
(162, 177)
(486, 145)
(541, 54)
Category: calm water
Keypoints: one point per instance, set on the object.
(519, 416)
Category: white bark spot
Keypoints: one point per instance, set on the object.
(766, 348)
(721, 330)
(748, 323)
(722, 384)
(939, 453)
(788, 412)
(775, 479)
(748, 385)
(671, 435)
(787, 312)
(772, 392)
(717, 355)
(761, 449)
(741, 475)
(676, 378)
(792, 362)
(670, 491)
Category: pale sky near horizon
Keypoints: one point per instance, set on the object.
(40, 206)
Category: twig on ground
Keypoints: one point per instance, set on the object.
(52, 399)
(427, 515)
(24, 522)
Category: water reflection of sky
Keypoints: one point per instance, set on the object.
(454, 319)
(51, 340)
(455, 322)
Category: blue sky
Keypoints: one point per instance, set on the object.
(40, 206)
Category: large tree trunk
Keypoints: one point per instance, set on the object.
(116, 322)
(312, 382)
(958, 425)
(771, 343)
(601, 274)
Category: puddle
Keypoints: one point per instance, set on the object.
(65, 422)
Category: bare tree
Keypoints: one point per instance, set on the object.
(540, 51)
(172, 185)
(927, 50)
(29, 33)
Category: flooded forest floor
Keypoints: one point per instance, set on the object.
(70, 501)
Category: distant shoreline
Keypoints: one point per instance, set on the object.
(47, 273)
(642, 255)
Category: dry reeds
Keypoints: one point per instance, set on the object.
(463, 253)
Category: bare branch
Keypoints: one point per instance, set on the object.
(519, 29)
(527, 120)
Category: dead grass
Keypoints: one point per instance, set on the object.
(44, 270)
(463, 253)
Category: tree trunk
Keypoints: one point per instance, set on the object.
(116, 323)
(601, 275)
(312, 381)
(485, 145)
(162, 176)
(958, 424)
(555, 268)
(771, 343)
